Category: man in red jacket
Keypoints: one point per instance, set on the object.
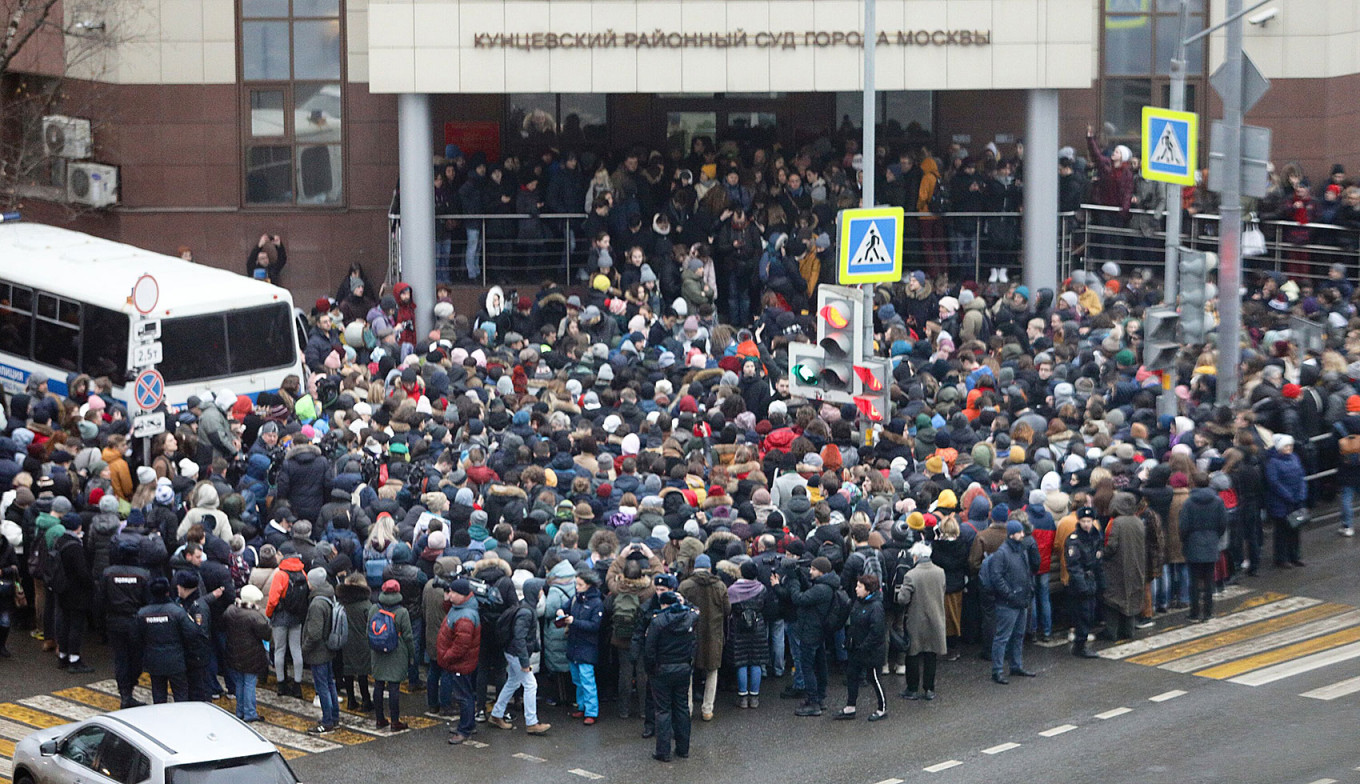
(459, 645)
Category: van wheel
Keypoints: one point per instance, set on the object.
(23, 777)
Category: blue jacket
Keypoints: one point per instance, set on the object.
(1006, 573)
(583, 635)
(1203, 520)
(1287, 489)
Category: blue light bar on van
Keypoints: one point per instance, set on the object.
(10, 217)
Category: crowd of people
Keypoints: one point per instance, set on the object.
(963, 209)
(614, 496)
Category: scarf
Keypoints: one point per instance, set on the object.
(743, 589)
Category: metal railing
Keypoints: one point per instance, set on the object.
(962, 244)
(1301, 251)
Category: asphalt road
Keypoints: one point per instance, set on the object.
(1098, 720)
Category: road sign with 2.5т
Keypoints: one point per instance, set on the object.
(870, 246)
(1170, 142)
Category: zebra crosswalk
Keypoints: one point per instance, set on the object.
(285, 720)
(1268, 638)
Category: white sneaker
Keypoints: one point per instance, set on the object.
(1001, 273)
(1347, 531)
(901, 669)
(994, 276)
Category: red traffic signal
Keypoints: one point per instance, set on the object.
(869, 408)
(833, 315)
(870, 379)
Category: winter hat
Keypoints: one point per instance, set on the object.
(250, 596)
(392, 586)
(146, 475)
(438, 540)
(1000, 512)
(1014, 527)
(316, 578)
(108, 504)
(165, 494)
(822, 564)
(702, 561)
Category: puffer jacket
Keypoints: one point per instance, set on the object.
(356, 599)
(811, 603)
(246, 629)
(317, 627)
(865, 637)
(99, 541)
(391, 666)
(305, 481)
(556, 595)
(1203, 521)
(583, 634)
(460, 638)
(1006, 574)
(205, 511)
(1284, 480)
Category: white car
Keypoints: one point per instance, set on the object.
(174, 743)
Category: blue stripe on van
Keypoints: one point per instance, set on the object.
(15, 380)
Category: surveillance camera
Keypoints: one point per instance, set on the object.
(1262, 18)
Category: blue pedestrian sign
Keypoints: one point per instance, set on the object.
(1170, 140)
(870, 246)
(149, 390)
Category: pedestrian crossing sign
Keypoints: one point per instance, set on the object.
(1170, 142)
(870, 246)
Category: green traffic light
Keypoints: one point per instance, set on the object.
(806, 376)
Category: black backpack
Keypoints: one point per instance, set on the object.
(296, 596)
(838, 614)
(505, 627)
(899, 576)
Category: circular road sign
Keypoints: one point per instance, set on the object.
(145, 293)
(149, 390)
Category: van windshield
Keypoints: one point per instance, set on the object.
(260, 769)
(227, 344)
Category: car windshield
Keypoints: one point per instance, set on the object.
(260, 769)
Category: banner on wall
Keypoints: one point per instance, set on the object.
(471, 136)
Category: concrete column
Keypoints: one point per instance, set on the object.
(416, 161)
(1041, 191)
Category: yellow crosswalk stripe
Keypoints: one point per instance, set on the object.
(7, 748)
(1240, 634)
(1278, 655)
(1257, 601)
(302, 724)
(290, 754)
(26, 715)
(91, 697)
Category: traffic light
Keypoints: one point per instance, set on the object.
(875, 382)
(1194, 272)
(835, 369)
(1160, 344)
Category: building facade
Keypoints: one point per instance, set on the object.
(230, 118)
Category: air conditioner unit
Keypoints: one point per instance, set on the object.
(93, 184)
(67, 137)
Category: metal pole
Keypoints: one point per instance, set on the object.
(869, 153)
(1041, 192)
(415, 152)
(1166, 404)
(1230, 228)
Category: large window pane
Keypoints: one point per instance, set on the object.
(56, 344)
(257, 8)
(318, 114)
(269, 175)
(261, 338)
(16, 319)
(682, 127)
(194, 348)
(105, 339)
(584, 117)
(1124, 102)
(1128, 45)
(1168, 28)
(266, 113)
(264, 50)
(316, 7)
(319, 172)
(534, 115)
(1174, 6)
(316, 50)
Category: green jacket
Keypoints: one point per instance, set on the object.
(393, 666)
(317, 627)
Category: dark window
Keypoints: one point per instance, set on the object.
(105, 339)
(82, 748)
(260, 338)
(56, 333)
(265, 769)
(195, 348)
(121, 761)
(222, 344)
(16, 319)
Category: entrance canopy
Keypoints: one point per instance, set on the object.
(700, 46)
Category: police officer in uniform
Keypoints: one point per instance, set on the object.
(164, 632)
(125, 588)
(638, 649)
(197, 649)
(1084, 550)
(669, 653)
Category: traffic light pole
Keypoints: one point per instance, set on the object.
(1230, 224)
(869, 147)
(1166, 404)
